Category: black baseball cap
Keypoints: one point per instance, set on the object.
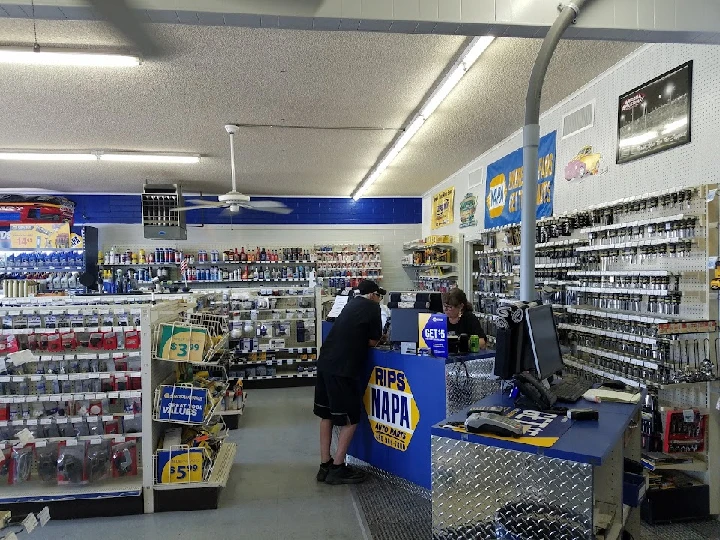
(368, 286)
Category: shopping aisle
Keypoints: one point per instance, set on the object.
(272, 492)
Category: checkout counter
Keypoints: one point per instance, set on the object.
(405, 396)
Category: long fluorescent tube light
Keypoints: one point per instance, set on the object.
(44, 156)
(65, 57)
(469, 56)
(128, 157)
(148, 158)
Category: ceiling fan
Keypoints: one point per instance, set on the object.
(125, 19)
(233, 200)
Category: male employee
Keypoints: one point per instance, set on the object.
(339, 390)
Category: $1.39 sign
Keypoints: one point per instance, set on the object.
(181, 343)
(433, 333)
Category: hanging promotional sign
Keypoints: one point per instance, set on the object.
(433, 334)
(182, 404)
(468, 206)
(391, 408)
(503, 191)
(45, 236)
(442, 208)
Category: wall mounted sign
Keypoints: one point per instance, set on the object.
(391, 408)
(468, 206)
(585, 163)
(45, 236)
(503, 191)
(655, 116)
(442, 208)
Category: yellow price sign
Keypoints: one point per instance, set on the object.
(183, 467)
(36, 236)
(182, 343)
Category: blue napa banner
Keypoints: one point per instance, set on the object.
(503, 190)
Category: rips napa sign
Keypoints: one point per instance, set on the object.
(391, 408)
(503, 191)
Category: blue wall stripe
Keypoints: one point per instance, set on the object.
(125, 209)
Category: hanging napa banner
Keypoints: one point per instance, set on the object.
(503, 190)
(442, 208)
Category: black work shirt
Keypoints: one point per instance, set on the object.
(345, 350)
(468, 324)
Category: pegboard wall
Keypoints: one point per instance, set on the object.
(688, 165)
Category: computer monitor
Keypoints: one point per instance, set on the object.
(404, 324)
(544, 341)
(513, 351)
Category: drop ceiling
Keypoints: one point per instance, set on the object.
(216, 75)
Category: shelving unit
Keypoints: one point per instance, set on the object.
(51, 269)
(76, 396)
(274, 337)
(188, 475)
(344, 265)
(214, 268)
(433, 263)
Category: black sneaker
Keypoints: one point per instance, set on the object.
(323, 472)
(344, 475)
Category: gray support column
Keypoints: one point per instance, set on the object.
(531, 140)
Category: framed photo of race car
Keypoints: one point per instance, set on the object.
(655, 116)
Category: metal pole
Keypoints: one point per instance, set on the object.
(531, 140)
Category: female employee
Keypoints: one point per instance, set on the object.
(461, 319)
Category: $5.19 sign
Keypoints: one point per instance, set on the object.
(181, 343)
(433, 334)
(180, 466)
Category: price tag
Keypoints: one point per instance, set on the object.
(135, 374)
(62, 420)
(32, 399)
(5, 378)
(113, 395)
(96, 440)
(181, 343)
(77, 376)
(119, 438)
(36, 378)
(73, 312)
(46, 421)
(92, 419)
(32, 422)
(63, 377)
(18, 422)
(41, 444)
(20, 399)
(104, 356)
(107, 418)
(71, 442)
(119, 355)
(76, 419)
(3, 423)
(86, 356)
(689, 415)
(45, 398)
(69, 397)
(94, 375)
(58, 358)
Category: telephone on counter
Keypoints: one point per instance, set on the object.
(534, 394)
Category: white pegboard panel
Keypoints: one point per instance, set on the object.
(682, 166)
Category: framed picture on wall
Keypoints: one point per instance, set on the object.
(655, 116)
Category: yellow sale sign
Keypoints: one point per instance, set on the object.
(40, 236)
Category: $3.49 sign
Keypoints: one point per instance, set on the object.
(433, 334)
(181, 343)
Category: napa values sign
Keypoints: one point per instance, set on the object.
(503, 190)
(391, 408)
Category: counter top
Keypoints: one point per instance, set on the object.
(585, 442)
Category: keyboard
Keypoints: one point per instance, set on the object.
(571, 388)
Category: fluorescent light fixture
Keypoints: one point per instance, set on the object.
(638, 139)
(469, 56)
(674, 126)
(65, 57)
(137, 157)
(46, 156)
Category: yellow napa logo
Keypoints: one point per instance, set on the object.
(391, 408)
(497, 195)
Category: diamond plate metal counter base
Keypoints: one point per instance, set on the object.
(487, 492)
(468, 382)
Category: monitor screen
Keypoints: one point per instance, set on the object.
(404, 324)
(544, 340)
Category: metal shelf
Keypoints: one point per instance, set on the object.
(36, 491)
(623, 290)
(282, 376)
(637, 223)
(636, 243)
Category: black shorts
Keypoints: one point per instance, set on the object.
(338, 399)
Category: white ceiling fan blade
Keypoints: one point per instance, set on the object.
(202, 202)
(208, 205)
(275, 207)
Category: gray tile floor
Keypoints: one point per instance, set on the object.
(272, 492)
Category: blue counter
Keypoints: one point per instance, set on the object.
(405, 396)
(585, 442)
